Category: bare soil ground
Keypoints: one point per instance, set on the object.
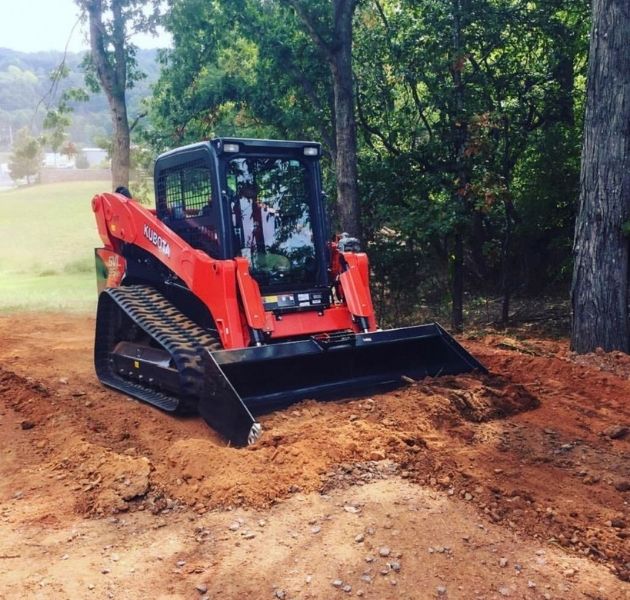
(514, 484)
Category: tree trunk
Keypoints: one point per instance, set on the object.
(599, 293)
(111, 70)
(457, 284)
(506, 285)
(338, 54)
(121, 143)
(459, 132)
(346, 127)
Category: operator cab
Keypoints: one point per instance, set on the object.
(257, 199)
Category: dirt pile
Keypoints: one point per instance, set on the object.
(18, 392)
(485, 397)
(617, 363)
(298, 452)
(106, 482)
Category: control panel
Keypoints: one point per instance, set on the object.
(296, 301)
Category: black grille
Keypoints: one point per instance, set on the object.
(185, 205)
(185, 192)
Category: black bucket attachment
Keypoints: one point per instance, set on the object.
(339, 365)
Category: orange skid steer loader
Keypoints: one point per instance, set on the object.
(229, 299)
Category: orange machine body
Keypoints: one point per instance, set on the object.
(226, 287)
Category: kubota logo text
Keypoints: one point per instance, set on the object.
(158, 241)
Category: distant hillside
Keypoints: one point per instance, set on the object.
(25, 85)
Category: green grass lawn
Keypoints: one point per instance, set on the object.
(47, 240)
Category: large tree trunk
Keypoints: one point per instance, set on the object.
(599, 293)
(346, 127)
(112, 75)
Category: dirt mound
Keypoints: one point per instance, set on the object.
(617, 363)
(107, 481)
(104, 481)
(18, 391)
(299, 447)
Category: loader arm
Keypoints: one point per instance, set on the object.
(225, 286)
(124, 221)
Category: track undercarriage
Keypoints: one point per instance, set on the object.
(148, 349)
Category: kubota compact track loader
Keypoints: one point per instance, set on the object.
(229, 299)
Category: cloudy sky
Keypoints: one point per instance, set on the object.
(33, 25)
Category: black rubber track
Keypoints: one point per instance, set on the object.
(189, 346)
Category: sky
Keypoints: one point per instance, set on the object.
(34, 25)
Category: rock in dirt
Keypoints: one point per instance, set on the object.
(618, 523)
(27, 425)
(570, 572)
(384, 551)
(616, 432)
(622, 486)
(202, 588)
(115, 479)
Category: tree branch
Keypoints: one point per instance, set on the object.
(411, 84)
(373, 130)
(118, 37)
(137, 120)
(309, 23)
(97, 46)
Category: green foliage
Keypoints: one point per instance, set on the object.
(241, 67)
(508, 91)
(469, 116)
(26, 157)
